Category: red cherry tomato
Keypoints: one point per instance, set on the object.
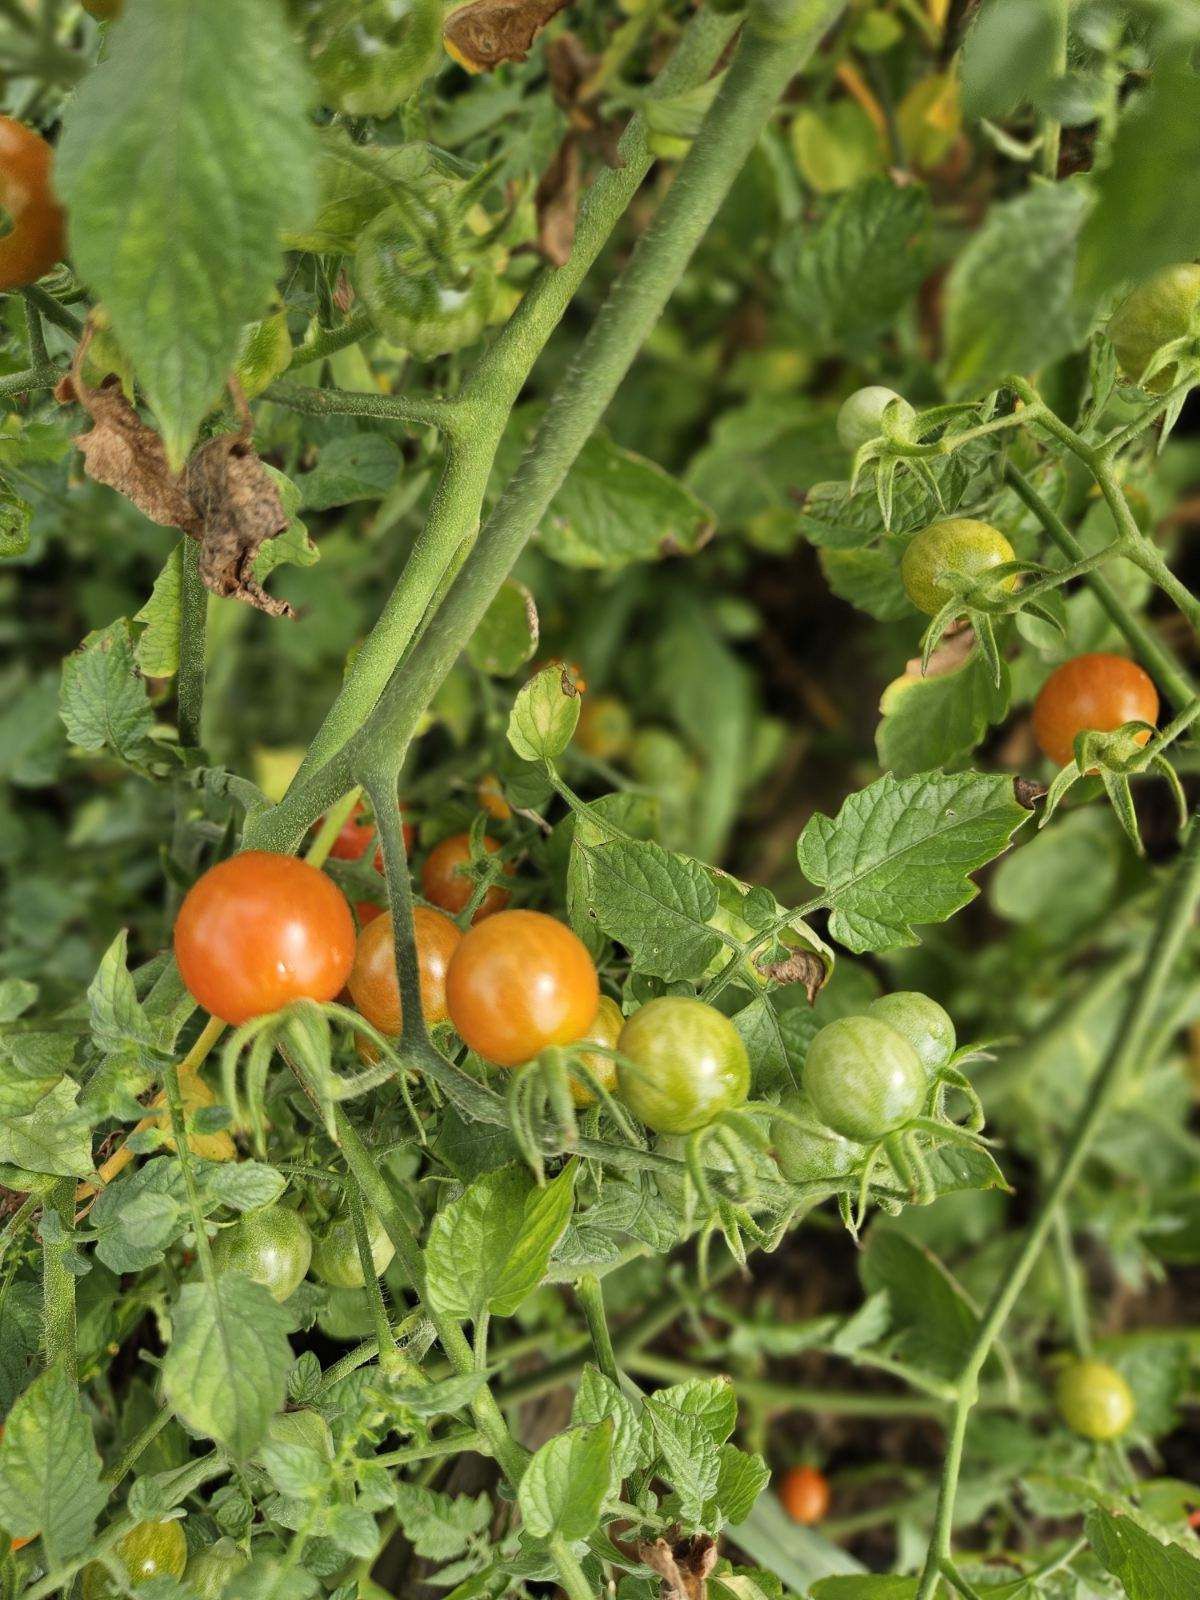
(372, 981)
(358, 834)
(33, 241)
(804, 1492)
(260, 930)
(1097, 692)
(445, 885)
(518, 982)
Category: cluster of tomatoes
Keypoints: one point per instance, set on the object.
(259, 930)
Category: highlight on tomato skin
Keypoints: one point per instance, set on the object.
(373, 982)
(258, 931)
(519, 982)
(1097, 692)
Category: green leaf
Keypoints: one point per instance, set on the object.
(1009, 305)
(16, 997)
(936, 721)
(14, 522)
(489, 1249)
(137, 1217)
(760, 454)
(598, 1399)
(836, 145)
(1147, 1569)
(868, 579)
(442, 1398)
(350, 467)
(117, 1018)
(241, 1185)
(54, 1137)
(1147, 212)
(292, 547)
(741, 1478)
(439, 1526)
(934, 1324)
(157, 649)
(898, 852)
(508, 633)
(851, 274)
(50, 1468)
(226, 1368)
(711, 1400)
(691, 1456)
(867, 1586)
(1007, 56)
(564, 1487)
(653, 902)
(184, 153)
(103, 701)
(542, 721)
(30, 1066)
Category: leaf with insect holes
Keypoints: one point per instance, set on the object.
(899, 852)
(543, 717)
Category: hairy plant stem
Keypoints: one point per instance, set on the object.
(1154, 655)
(389, 1356)
(193, 621)
(183, 1155)
(58, 1282)
(591, 1298)
(574, 1582)
(481, 412)
(764, 63)
(1174, 919)
(1051, 128)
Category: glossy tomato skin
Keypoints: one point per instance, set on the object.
(959, 544)
(446, 886)
(35, 237)
(335, 1258)
(272, 1246)
(1094, 1400)
(519, 982)
(1096, 692)
(357, 834)
(804, 1492)
(260, 930)
(864, 1079)
(148, 1550)
(924, 1023)
(686, 1063)
(372, 982)
(860, 418)
(810, 1155)
(605, 1029)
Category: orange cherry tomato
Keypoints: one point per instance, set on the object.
(605, 1029)
(518, 982)
(372, 981)
(1098, 692)
(445, 885)
(491, 799)
(804, 1492)
(34, 239)
(260, 930)
(357, 834)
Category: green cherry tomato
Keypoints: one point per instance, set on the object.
(685, 1064)
(959, 544)
(335, 1257)
(1094, 1400)
(346, 1315)
(812, 1154)
(273, 1246)
(149, 1550)
(923, 1022)
(263, 353)
(864, 1079)
(1164, 308)
(369, 56)
(426, 305)
(861, 415)
(210, 1570)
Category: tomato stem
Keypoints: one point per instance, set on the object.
(591, 1298)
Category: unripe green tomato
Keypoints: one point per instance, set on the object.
(264, 352)
(686, 1063)
(1094, 1400)
(210, 1569)
(807, 1156)
(399, 286)
(369, 56)
(104, 10)
(667, 146)
(960, 544)
(659, 760)
(864, 1079)
(149, 1550)
(923, 1022)
(272, 1246)
(346, 1315)
(1165, 307)
(861, 415)
(335, 1258)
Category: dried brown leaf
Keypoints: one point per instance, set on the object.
(240, 508)
(125, 453)
(800, 967)
(557, 203)
(485, 33)
(683, 1568)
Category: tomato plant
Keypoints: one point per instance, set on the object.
(598, 752)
